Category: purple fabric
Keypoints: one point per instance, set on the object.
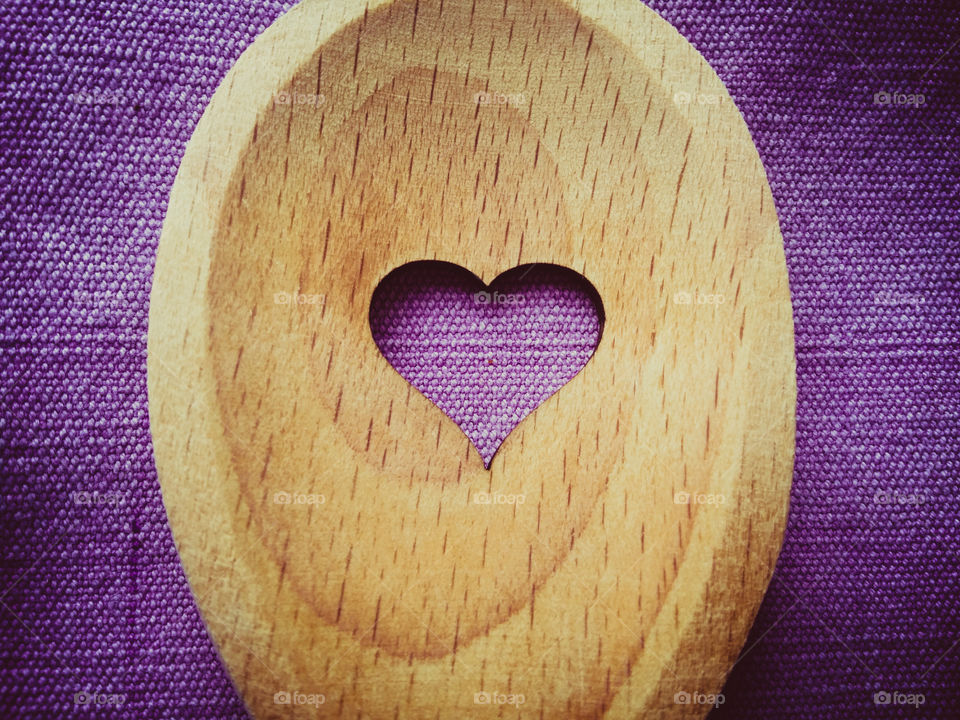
(487, 356)
(97, 104)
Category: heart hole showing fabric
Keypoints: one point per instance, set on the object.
(486, 355)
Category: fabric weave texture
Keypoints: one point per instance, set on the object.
(487, 356)
(97, 102)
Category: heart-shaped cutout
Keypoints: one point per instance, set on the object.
(486, 355)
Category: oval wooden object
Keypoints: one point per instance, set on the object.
(325, 511)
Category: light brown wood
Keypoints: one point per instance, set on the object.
(323, 508)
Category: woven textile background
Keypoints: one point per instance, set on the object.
(96, 105)
(486, 357)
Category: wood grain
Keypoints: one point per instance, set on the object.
(324, 510)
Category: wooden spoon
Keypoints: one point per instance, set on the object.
(325, 511)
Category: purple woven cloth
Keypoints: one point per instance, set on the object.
(855, 109)
(487, 356)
